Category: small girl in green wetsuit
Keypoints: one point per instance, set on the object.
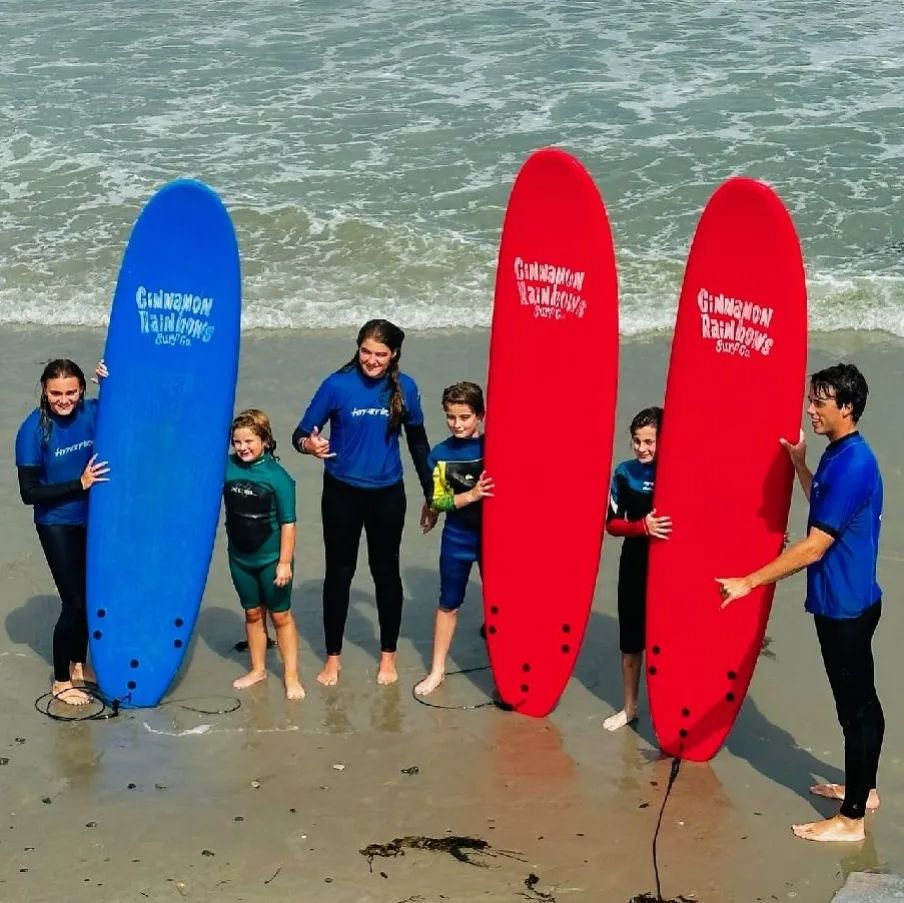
(259, 496)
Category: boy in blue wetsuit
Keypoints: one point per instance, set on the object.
(459, 484)
(631, 516)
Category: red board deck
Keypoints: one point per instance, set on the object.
(735, 386)
(551, 390)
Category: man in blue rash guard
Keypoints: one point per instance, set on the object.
(840, 553)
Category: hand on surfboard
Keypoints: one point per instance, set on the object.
(100, 372)
(318, 446)
(95, 472)
(482, 489)
(733, 588)
(796, 451)
(658, 527)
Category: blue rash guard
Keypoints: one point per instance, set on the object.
(357, 409)
(59, 461)
(846, 502)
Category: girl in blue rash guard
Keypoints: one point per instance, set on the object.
(367, 403)
(57, 466)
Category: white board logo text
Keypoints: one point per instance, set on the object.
(174, 318)
(554, 292)
(735, 326)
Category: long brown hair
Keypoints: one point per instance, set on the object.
(391, 336)
(61, 368)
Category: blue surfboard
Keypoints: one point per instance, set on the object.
(163, 425)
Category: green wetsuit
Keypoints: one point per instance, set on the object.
(259, 498)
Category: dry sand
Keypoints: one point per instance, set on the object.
(167, 804)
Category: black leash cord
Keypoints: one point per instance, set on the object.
(477, 705)
(676, 764)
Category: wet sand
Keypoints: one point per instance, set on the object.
(167, 803)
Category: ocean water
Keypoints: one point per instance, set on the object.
(366, 148)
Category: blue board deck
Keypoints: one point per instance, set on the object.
(163, 425)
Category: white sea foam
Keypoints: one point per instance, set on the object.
(366, 151)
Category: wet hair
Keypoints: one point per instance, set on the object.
(391, 336)
(259, 423)
(61, 368)
(465, 393)
(843, 382)
(647, 417)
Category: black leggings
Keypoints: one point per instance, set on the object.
(848, 657)
(64, 549)
(381, 512)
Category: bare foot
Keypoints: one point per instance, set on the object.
(387, 673)
(65, 692)
(329, 676)
(294, 689)
(836, 792)
(619, 720)
(838, 828)
(430, 683)
(80, 672)
(249, 680)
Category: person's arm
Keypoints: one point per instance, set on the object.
(306, 437)
(419, 449)
(617, 523)
(284, 499)
(33, 492)
(795, 558)
(621, 526)
(841, 497)
(798, 455)
(286, 554)
(443, 499)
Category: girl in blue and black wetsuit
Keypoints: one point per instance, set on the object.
(367, 403)
(57, 466)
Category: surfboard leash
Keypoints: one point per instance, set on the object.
(673, 774)
(462, 708)
(109, 709)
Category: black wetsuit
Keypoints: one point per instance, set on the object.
(630, 501)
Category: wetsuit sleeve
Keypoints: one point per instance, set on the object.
(285, 499)
(618, 526)
(33, 492)
(617, 523)
(834, 502)
(443, 498)
(419, 447)
(317, 414)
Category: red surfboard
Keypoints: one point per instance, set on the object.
(735, 385)
(553, 375)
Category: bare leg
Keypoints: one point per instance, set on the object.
(329, 676)
(443, 631)
(387, 673)
(838, 828)
(836, 792)
(287, 639)
(257, 646)
(81, 672)
(631, 663)
(64, 691)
